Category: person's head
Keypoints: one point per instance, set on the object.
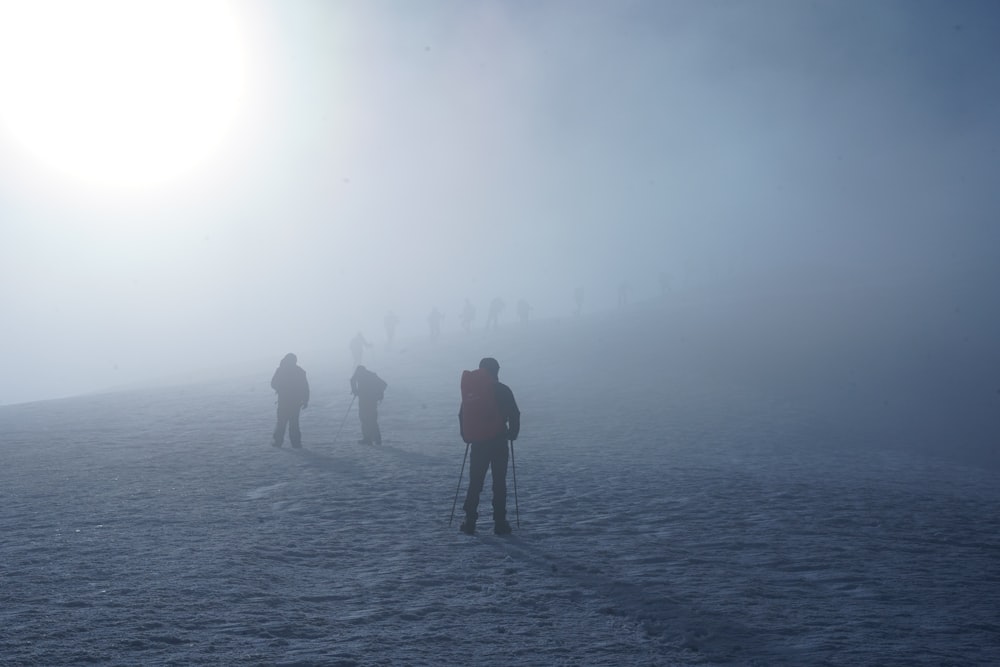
(360, 370)
(490, 364)
(289, 360)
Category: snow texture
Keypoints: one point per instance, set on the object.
(667, 516)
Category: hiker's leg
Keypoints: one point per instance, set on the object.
(365, 415)
(479, 461)
(279, 429)
(499, 455)
(294, 434)
(376, 431)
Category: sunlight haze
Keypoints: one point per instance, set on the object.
(187, 187)
(119, 94)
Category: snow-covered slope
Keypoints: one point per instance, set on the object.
(681, 501)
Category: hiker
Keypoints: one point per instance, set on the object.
(493, 318)
(487, 420)
(370, 390)
(289, 381)
(523, 311)
(358, 345)
(468, 315)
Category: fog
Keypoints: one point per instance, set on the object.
(772, 160)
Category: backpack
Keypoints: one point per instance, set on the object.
(481, 418)
(380, 386)
(371, 385)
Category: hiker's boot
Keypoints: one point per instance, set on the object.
(500, 525)
(469, 525)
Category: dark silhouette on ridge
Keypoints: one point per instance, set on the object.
(497, 307)
(468, 316)
(370, 390)
(289, 381)
(523, 311)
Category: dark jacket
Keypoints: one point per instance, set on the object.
(509, 413)
(367, 385)
(291, 384)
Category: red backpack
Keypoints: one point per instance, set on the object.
(481, 419)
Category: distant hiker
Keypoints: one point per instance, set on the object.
(578, 300)
(390, 327)
(496, 307)
(289, 380)
(370, 390)
(358, 345)
(434, 320)
(468, 316)
(487, 420)
(523, 311)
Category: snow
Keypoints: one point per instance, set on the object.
(669, 514)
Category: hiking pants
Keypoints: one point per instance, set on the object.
(288, 415)
(368, 412)
(492, 454)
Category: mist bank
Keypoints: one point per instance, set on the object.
(911, 367)
(888, 367)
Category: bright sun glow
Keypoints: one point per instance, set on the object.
(119, 93)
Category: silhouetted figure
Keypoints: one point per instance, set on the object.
(496, 308)
(578, 300)
(358, 345)
(523, 311)
(491, 453)
(289, 381)
(370, 390)
(624, 289)
(468, 316)
(434, 321)
(390, 327)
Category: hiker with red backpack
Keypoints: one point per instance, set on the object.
(488, 420)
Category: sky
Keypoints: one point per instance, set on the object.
(188, 186)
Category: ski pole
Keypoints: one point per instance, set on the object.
(513, 468)
(457, 488)
(345, 419)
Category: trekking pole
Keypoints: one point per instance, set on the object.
(517, 510)
(458, 488)
(345, 419)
